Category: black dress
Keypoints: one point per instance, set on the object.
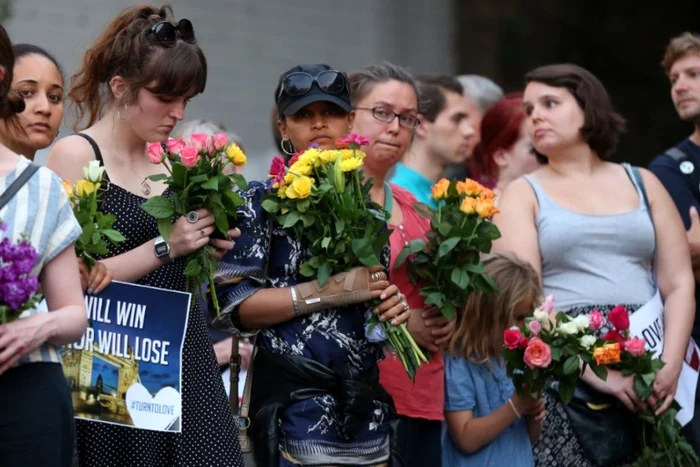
(209, 436)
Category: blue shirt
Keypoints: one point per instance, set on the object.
(483, 389)
(679, 186)
(415, 182)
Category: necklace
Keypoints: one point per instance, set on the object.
(145, 187)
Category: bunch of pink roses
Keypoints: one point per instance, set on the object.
(197, 179)
(550, 346)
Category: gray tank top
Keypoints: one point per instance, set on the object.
(595, 260)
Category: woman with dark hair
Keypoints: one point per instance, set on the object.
(133, 87)
(36, 414)
(504, 152)
(591, 229)
(316, 397)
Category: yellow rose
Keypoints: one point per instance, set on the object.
(300, 168)
(289, 178)
(484, 207)
(84, 188)
(309, 156)
(440, 189)
(326, 157)
(349, 165)
(469, 187)
(300, 188)
(67, 187)
(468, 206)
(236, 155)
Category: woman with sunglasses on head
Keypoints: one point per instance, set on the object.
(316, 397)
(386, 101)
(36, 414)
(133, 87)
(38, 79)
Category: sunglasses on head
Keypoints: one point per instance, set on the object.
(167, 33)
(299, 83)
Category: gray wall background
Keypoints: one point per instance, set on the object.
(248, 43)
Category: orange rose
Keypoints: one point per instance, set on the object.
(440, 189)
(468, 206)
(609, 353)
(484, 208)
(470, 187)
(67, 187)
(487, 194)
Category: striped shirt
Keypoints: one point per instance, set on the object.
(41, 210)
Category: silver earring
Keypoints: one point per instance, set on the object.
(119, 113)
(289, 152)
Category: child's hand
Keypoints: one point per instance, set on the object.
(524, 402)
(537, 411)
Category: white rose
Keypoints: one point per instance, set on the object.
(568, 328)
(94, 172)
(541, 316)
(587, 341)
(582, 322)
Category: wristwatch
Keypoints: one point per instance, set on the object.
(162, 249)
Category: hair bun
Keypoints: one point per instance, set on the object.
(11, 104)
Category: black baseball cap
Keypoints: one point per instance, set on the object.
(325, 87)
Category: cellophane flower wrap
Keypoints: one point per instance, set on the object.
(662, 442)
(197, 180)
(550, 346)
(18, 286)
(84, 197)
(323, 198)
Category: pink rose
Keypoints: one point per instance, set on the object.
(511, 338)
(155, 152)
(548, 305)
(201, 141)
(220, 140)
(538, 354)
(535, 327)
(175, 145)
(636, 346)
(595, 320)
(620, 318)
(189, 156)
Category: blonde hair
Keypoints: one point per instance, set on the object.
(485, 315)
(680, 46)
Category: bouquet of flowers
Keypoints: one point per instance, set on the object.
(196, 178)
(17, 284)
(551, 346)
(449, 262)
(322, 197)
(84, 197)
(661, 439)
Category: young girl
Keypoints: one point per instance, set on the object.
(488, 422)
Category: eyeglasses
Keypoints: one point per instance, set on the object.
(387, 116)
(299, 83)
(167, 33)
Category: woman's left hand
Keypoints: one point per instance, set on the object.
(441, 328)
(665, 385)
(22, 336)
(393, 306)
(221, 247)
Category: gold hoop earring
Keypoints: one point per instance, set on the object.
(119, 112)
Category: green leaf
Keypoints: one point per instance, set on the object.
(405, 253)
(159, 207)
(600, 371)
(290, 219)
(447, 246)
(308, 220)
(448, 311)
(211, 184)
(325, 242)
(193, 268)
(199, 178)
(96, 238)
(88, 230)
(231, 201)
(648, 378)
(435, 298)
(571, 365)
(307, 270)
(566, 391)
(179, 174)
(556, 353)
(444, 228)
(165, 227)
(362, 248)
(240, 181)
(303, 205)
(271, 205)
(157, 177)
(221, 220)
(339, 226)
(642, 389)
(460, 278)
(113, 235)
(324, 273)
(424, 210)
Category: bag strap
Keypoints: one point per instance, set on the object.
(19, 182)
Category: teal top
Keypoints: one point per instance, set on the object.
(415, 182)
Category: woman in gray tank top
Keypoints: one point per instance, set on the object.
(583, 224)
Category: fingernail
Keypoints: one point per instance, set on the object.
(382, 296)
(394, 322)
(90, 292)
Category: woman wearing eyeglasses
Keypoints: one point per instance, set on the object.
(316, 397)
(133, 87)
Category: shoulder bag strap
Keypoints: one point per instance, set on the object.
(19, 182)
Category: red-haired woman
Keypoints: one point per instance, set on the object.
(505, 152)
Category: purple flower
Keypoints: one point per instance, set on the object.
(17, 285)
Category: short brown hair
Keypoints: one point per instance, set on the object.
(124, 49)
(679, 47)
(487, 315)
(432, 91)
(363, 81)
(11, 103)
(602, 126)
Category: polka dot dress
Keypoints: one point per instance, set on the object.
(209, 436)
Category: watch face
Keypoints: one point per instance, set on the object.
(162, 249)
